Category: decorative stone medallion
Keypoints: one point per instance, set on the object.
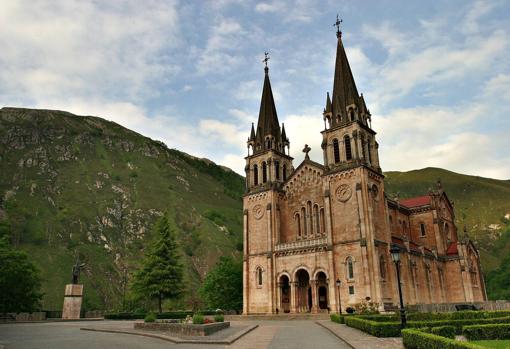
(258, 211)
(343, 193)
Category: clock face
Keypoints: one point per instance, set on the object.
(343, 193)
(258, 211)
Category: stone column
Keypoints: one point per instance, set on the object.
(246, 273)
(315, 298)
(292, 295)
(72, 301)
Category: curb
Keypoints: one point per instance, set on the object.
(335, 334)
(50, 321)
(228, 340)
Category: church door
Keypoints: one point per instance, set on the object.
(323, 297)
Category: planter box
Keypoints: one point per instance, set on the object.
(183, 329)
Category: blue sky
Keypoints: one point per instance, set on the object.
(435, 74)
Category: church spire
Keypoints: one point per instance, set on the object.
(268, 125)
(345, 92)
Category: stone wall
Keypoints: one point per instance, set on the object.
(183, 329)
(448, 307)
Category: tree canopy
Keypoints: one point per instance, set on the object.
(223, 285)
(160, 275)
(20, 282)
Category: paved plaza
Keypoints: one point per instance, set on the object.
(61, 335)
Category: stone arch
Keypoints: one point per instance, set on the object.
(320, 270)
(299, 267)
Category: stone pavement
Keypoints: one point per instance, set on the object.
(360, 340)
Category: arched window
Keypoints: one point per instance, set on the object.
(277, 169)
(348, 151)
(316, 219)
(322, 221)
(264, 172)
(350, 268)
(447, 231)
(259, 276)
(423, 230)
(336, 150)
(255, 175)
(369, 147)
(309, 217)
(382, 267)
(284, 172)
(303, 215)
(298, 224)
(351, 114)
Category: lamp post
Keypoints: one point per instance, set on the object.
(338, 283)
(395, 256)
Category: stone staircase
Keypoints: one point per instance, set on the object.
(285, 317)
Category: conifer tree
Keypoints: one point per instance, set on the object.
(161, 273)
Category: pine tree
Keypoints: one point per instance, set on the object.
(161, 273)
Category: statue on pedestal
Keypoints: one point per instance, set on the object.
(76, 271)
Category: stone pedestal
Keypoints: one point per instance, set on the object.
(72, 301)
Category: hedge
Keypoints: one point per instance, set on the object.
(378, 329)
(481, 332)
(458, 315)
(458, 324)
(337, 318)
(392, 328)
(416, 339)
(444, 331)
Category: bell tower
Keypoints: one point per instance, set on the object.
(348, 137)
(268, 163)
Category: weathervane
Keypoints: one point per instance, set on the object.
(337, 25)
(266, 58)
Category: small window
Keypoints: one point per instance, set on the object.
(259, 276)
(284, 172)
(255, 175)
(351, 290)
(382, 267)
(264, 172)
(350, 268)
(422, 229)
(298, 224)
(277, 169)
(336, 150)
(369, 147)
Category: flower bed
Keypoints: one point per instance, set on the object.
(182, 329)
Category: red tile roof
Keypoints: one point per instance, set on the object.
(417, 201)
(452, 249)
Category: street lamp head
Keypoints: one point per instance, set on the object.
(338, 282)
(395, 253)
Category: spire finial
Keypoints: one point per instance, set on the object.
(266, 58)
(337, 25)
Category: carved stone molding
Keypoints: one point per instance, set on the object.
(343, 192)
(258, 211)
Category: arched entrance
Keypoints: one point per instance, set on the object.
(303, 291)
(322, 291)
(284, 284)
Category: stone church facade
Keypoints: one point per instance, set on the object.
(309, 226)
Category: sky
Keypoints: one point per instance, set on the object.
(435, 74)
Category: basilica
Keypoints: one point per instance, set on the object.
(317, 237)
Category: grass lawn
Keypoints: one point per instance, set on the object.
(496, 344)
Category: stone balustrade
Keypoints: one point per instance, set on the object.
(301, 244)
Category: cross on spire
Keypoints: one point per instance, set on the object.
(266, 58)
(306, 150)
(337, 25)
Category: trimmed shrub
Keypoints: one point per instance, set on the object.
(151, 317)
(219, 318)
(481, 332)
(337, 318)
(198, 319)
(444, 331)
(378, 329)
(458, 324)
(416, 339)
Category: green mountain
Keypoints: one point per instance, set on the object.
(80, 186)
